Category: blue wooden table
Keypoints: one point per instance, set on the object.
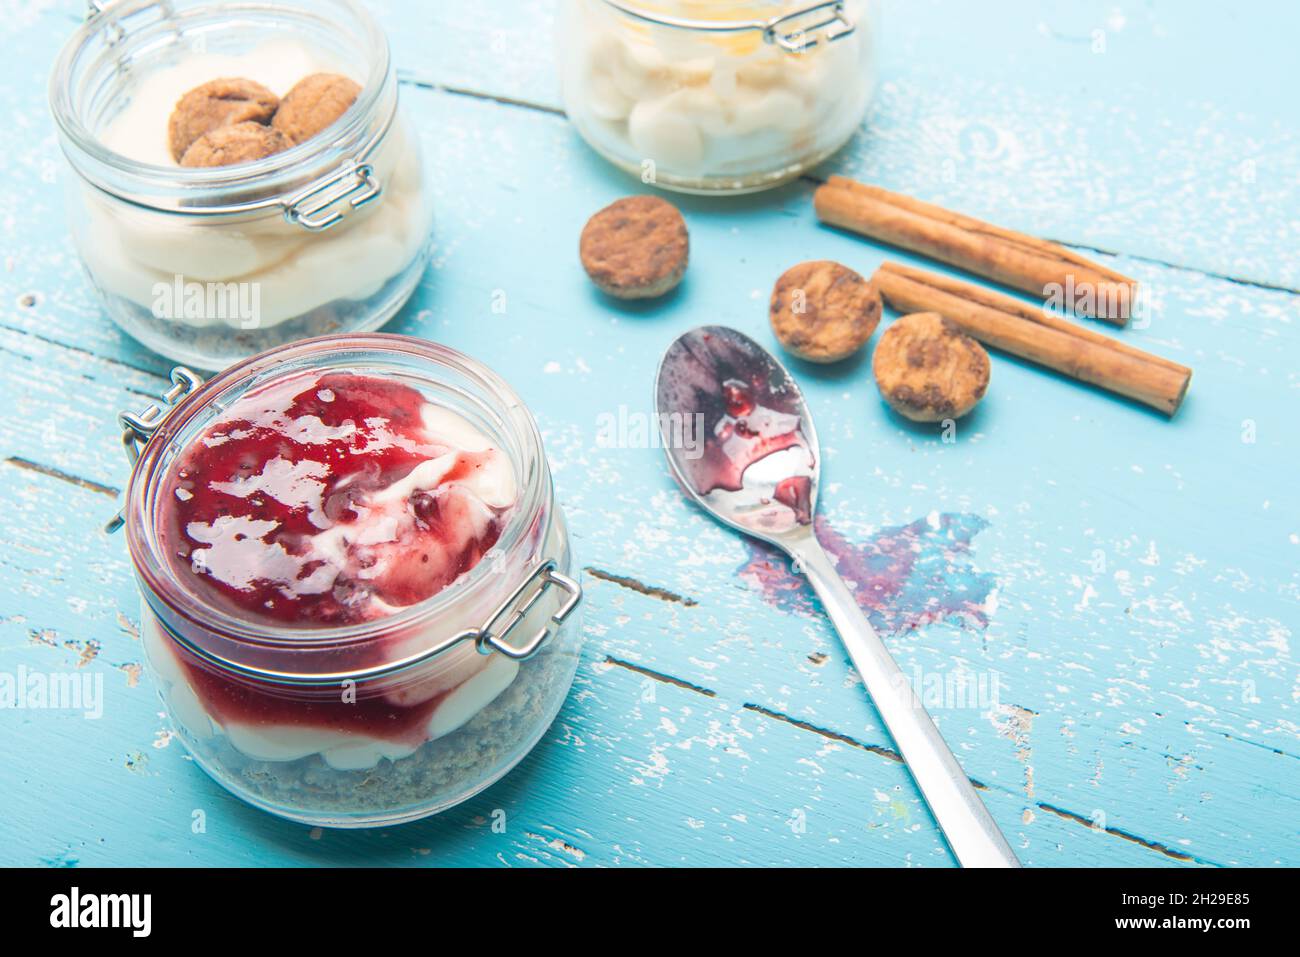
(1120, 591)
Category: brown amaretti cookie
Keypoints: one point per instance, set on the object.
(314, 103)
(636, 247)
(822, 311)
(215, 104)
(241, 143)
(928, 369)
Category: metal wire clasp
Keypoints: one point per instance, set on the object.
(115, 24)
(137, 427)
(492, 636)
(784, 31)
(314, 208)
(797, 38)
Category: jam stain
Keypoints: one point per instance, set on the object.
(904, 576)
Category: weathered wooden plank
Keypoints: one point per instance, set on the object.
(636, 770)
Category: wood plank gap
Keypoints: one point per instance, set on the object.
(1049, 808)
(633, 584)
(1209, 273)
(83, 352)
(411, 79)
(1164, 849)
(660, 676)
(1254, 744)
(827, 733)
(51, 472)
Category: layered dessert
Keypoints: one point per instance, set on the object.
(206, 289)
(317, 505)
(709, 105)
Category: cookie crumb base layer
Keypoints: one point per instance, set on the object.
(439, 775)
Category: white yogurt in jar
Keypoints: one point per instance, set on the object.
(706, 109)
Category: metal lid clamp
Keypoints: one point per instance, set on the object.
(139, 427)
(491, 636)
(116, 22)
(314, 208)
(790, 31)
(803, 36)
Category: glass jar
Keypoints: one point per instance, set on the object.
(706, 97)
(373, 722)
(209, 265)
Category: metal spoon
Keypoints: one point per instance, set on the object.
(740, 440)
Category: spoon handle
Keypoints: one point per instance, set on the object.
(972, 833)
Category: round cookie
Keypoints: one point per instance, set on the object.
(241, 143)
(215, 104)
(314, 103)
(822, 311)
(928, 369)
(636, 247)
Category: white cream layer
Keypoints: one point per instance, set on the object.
(341, 750)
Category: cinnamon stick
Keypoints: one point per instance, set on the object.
(1011, 326)
(1018, 307)
(1036, 266)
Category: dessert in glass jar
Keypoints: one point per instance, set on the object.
(357, 602)
(705, 97)
(243, 175)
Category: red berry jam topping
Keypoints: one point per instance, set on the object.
(331, 499)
